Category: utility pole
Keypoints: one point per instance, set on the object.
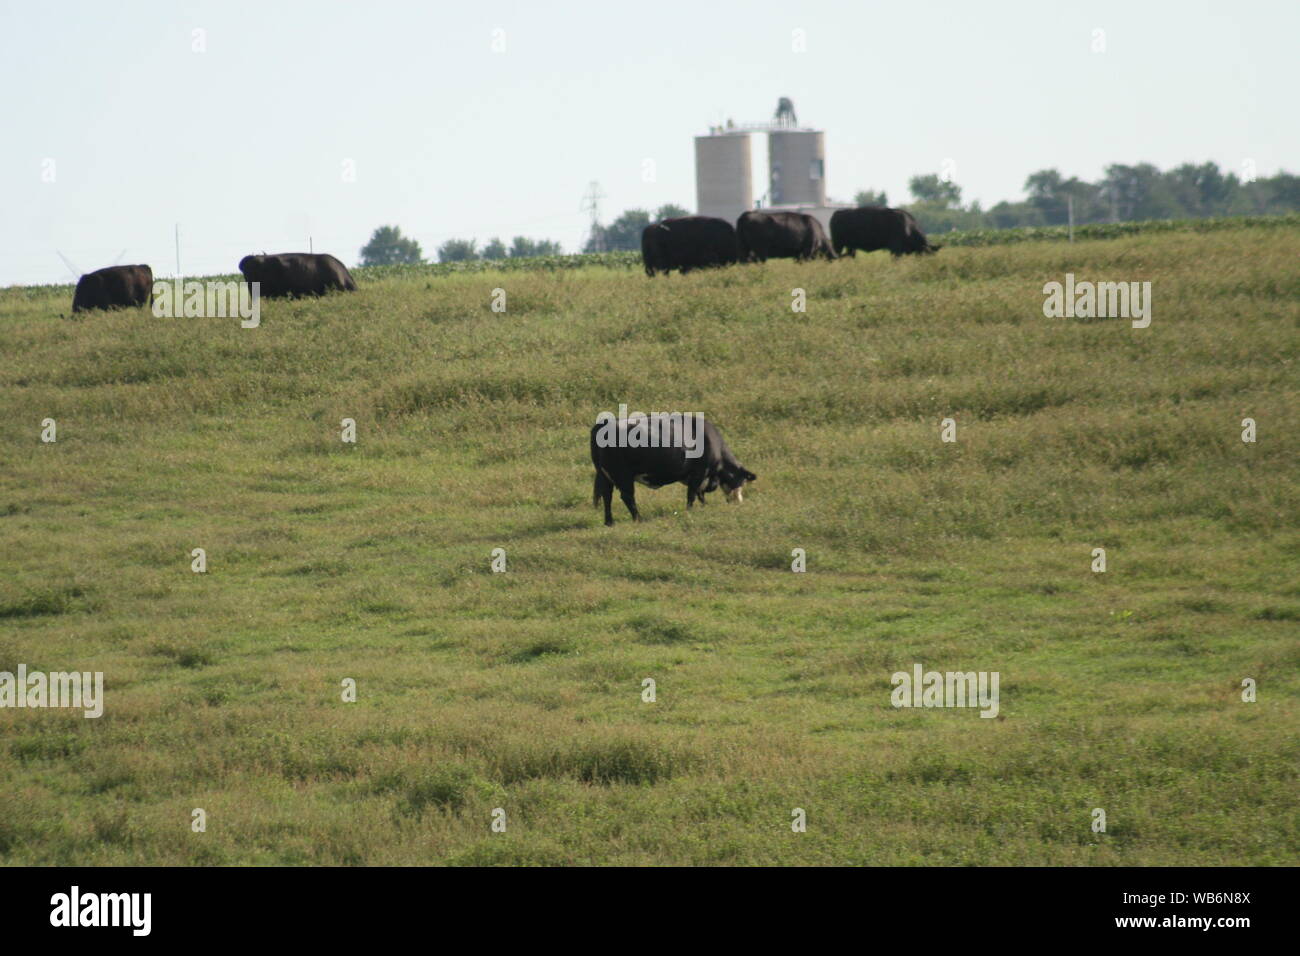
(591, 204)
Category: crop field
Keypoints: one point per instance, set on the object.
(519, 696)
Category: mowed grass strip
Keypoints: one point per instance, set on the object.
(523, 690)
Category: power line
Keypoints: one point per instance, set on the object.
(591, 204)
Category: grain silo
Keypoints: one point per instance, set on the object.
(724, 185)
(797, 163)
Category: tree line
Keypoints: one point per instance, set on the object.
(387, 246)
(1123, 194)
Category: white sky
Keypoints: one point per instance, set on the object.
(244, 145)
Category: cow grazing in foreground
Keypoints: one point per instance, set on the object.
(113, 288)
(877, 227)
(686, 243)
(623, 454)
(297, 274)
(764, 235)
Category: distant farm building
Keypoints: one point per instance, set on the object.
(796, 160)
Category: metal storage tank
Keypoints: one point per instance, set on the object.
(724, 185)
(797, 162)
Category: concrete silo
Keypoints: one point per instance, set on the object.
(797, 163)
(724, 185)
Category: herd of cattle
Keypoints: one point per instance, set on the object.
(685, 243)
(696, 242)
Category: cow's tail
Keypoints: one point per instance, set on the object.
(596, 486)
(602, 488)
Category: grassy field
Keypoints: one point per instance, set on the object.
(523, 690)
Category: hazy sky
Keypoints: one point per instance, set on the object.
(246, 145)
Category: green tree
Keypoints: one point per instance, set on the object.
(1044, 191)
(1014, 215)
(931, 189)
(522, 247)
(623, 233)
(458, 250)
(1202, 190)
(388, 246)
(1282, 193)
(869, 197)
(938, 205)
(496, 249)
(1051, 194)
(668, 211)
(1140, 192)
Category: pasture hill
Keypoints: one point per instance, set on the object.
(519, 697)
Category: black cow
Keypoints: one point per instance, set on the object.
(764, 235)
(877, 227)
(686, 243)
(297, 273)
(113, 288)
(660, 458)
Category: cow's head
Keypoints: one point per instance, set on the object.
(733, 482)
(914, 241)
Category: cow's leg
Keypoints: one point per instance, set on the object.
(695, 487)
(604, 492)
(696, 492)
(628, 493)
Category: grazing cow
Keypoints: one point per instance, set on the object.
(877, 227)
(113, 288)
(686, 243)
(297, 274)
(767, 235)
(658, 450)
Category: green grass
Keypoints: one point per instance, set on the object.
(523, 690)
